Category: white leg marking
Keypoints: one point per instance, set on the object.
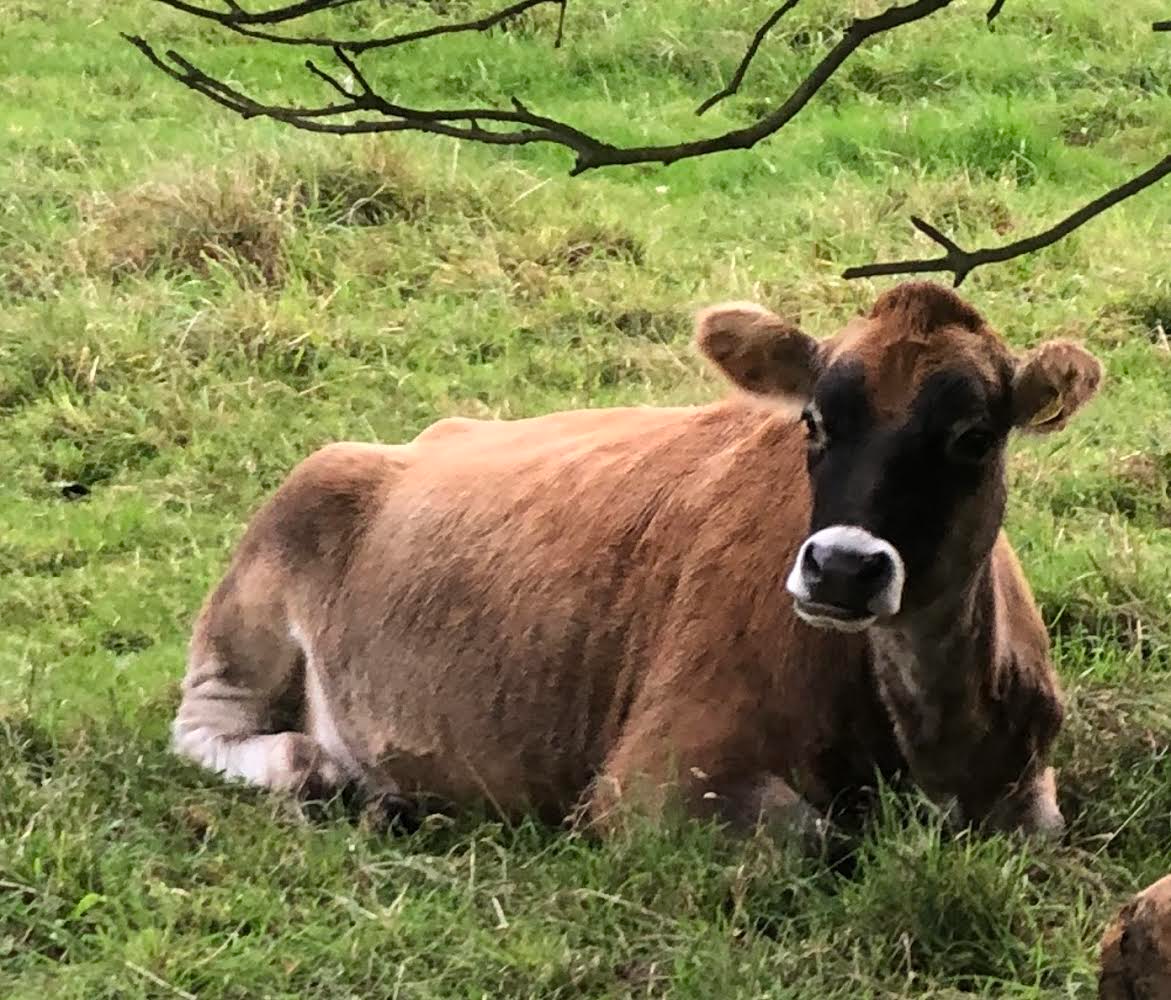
(320, 721)
(217, 726)
(282, 761)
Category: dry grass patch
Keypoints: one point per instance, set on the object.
(237, 219)
(243, 218)
(1115, 760)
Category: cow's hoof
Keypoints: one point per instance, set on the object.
(391, 813)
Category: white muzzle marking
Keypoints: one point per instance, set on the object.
(845, 542)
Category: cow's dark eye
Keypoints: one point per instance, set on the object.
(814, 431)
(972, 444)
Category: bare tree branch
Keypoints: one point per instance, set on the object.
(560, 25)
(962, 262)
(361, 109)
(589, 151)
(457, 123)
(240, 22)
(738, 77)
(236, 15)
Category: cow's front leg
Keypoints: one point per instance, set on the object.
(761, 801)
(744, 802)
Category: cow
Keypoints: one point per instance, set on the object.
(1135, 950)
(752, 609)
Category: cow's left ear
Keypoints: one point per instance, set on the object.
(1051, 384)
(758, 351)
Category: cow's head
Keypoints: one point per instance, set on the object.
(906, 412)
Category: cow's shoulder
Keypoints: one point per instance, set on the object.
(451, 426)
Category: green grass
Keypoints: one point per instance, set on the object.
(190, 303)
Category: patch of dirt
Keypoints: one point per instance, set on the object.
(195, 822)
(362, 195)
(1087, 126)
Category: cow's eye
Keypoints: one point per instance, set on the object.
(814, 429)
(971, 444)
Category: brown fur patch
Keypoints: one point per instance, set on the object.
(1136, 949)
(922, 307)
(913, 331)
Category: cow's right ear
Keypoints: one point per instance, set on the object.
(757, 351)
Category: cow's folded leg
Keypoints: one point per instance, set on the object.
(760, 802)
(244, 694)
(745, 803)
(287, 761)
(767, 801)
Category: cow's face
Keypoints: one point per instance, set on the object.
(906, 414)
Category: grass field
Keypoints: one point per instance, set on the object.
(190, 303)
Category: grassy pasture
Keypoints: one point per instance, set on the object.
(190, 303)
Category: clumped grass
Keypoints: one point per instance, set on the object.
(189, 304)
(188, 226)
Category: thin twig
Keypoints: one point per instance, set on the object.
(589, 151)
(241, 24)
(738, 77)
(1161, 26)
(962, 262)
(994, 10)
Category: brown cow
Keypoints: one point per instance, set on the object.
(590, 607)
(1136, 948)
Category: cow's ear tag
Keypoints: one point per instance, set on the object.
(1049, 412)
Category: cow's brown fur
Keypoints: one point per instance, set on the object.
(1136, 948)
(589, 607)
(913, 331)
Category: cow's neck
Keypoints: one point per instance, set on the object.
(934, 673)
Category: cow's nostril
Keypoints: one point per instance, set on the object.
(874, 566)
(811, 562)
